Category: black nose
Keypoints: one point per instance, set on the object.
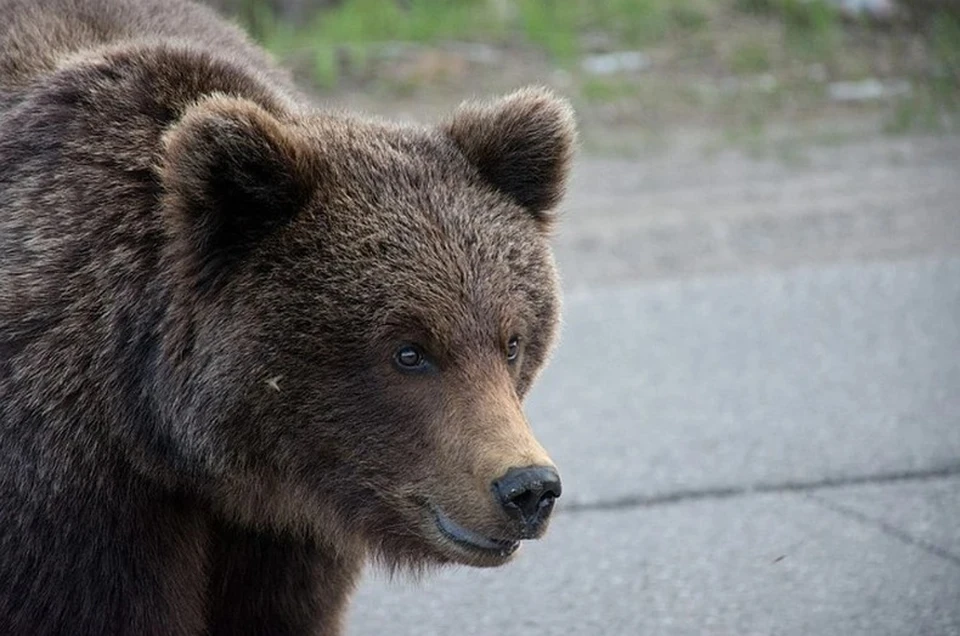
(527, 494)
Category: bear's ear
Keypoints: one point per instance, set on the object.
(522, 144)
(231, 173)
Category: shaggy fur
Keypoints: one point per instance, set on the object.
(203, 284)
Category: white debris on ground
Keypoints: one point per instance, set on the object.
(616, 62)
(867, 90)
(876, 9)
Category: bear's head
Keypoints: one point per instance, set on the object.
(358, 310)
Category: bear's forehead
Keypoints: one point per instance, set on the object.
(447, 228)
(403, 218)
(409, 194)
(461, 273)
(450, 246)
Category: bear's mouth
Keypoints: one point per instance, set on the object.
(469, 539)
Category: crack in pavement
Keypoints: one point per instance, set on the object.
(886, 528)
(729, 492)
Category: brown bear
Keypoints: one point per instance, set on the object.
(247, 345)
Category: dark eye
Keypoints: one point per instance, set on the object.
(411, 358)
(513, 349)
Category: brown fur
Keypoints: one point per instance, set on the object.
(203, 281)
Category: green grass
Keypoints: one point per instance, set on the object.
(812, 28)
(346, 31)
(557, 27)
(931, 108)
(945, 43)
(552, 25)
(934, 105)
(596, 89)
(695, 46)
(343, 38)
(364, 21)
(752, 56)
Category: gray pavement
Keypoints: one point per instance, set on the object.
(750, 443)
(817, 373)
(763, 565)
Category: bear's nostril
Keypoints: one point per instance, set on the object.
(526, 501)
(546, 500)
(528, 494)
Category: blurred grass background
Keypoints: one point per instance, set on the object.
(756, 73)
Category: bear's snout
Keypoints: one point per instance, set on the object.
(527, 495)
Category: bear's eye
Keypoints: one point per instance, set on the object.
(513, 349)
(411, 358)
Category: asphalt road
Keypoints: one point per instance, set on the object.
(755, 408)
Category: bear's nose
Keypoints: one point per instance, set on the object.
(527, 494)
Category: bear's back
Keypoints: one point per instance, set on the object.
(87, 88)
(38, 37)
